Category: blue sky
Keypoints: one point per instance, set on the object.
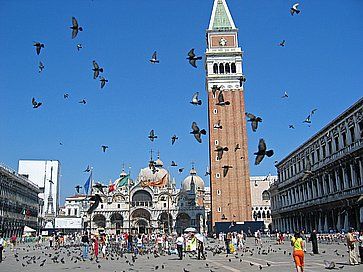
(320, 67)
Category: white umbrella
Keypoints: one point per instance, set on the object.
(200, 237)
(190, 230)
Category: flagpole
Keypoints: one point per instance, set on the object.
(90, 216)
(129, 189)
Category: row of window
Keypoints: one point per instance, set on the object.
(224, 68)
(339, 142)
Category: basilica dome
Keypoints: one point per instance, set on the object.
(198, 181)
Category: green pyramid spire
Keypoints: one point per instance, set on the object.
(221, 17)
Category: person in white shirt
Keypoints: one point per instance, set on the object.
(1, 247)
(179, 245)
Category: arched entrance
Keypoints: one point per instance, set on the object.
(117, 222)
(141, 220)
(141, 198)
(100, 220)
(165, 223)
(182, 222)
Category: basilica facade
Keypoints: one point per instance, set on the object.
(150, 203)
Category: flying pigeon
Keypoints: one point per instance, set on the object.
(294, 9)
(41, 66)
(236, 147)
(78, 187)
(180, 170)
(285, 95)
(254, 120)
(103, 81)
(88, 169)
(173, 163)
(262, 152)
(83, 101)
(154, 58)
(38, 46)
(220, 150)
(104, 147)
(313, 111)
(197, 132)
(192, 58)
(79, 46)
(66, 95)
(282, 43)
(307, 119)
(207, 172)
(35, 103)
(173, 139)
(225, 169)
(96, 201)
(218, 125)
(242, 79)
(100, 187)
(152, 135)
(291, 126)
(75, 27)
(221, 101)
(196, 100)
(96, 70)
(215, 88)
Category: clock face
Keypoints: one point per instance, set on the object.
(223, 42)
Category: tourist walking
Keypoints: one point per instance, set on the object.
(228, 241)
(2, 242)
(200, 247)
(353, 258)
(360, 247)
(314, 242)
(95, 247)
(85, 243)
(13, 242)
(179, 246)
(298, 251)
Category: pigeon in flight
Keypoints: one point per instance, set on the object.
(221, 101)
(285, 95)
(96, 201)
(88, 169)
(83, 101)
(329, 264)
(220, 149)
(38, 46)
(180, 170)
(262, 152)
(294, 9)
(65, 96)
(291, 126)
(35, 103)
(236, 147)
(195, 100)
(173, 163)
(152, 135)
(282, 43)
(242, 79)
(79, 46)
(218, 125)
(154, 58)
(225, 170)
(100, 187)
(313, 111)
(215, 88)
(75, 27)
(307, 119)
(96, 70)
(78, 187)
(254, 120)
(192, 58)
(104, 147)
(103, 81)
(207, 172)
(41, 66)
(173, 139)
(197, 132)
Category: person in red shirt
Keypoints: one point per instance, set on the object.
(95, 248)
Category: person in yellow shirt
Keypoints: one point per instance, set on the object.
(298, 251)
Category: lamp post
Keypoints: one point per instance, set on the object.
(129, 192)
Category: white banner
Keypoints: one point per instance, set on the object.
(68, 223)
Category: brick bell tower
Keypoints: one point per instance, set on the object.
(230, 184)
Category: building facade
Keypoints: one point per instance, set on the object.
(18, 203)
(46, 175)
(230, 181)
(320, 184)
(142, 207)
(261, 200)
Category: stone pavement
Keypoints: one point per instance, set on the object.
(278, 259)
